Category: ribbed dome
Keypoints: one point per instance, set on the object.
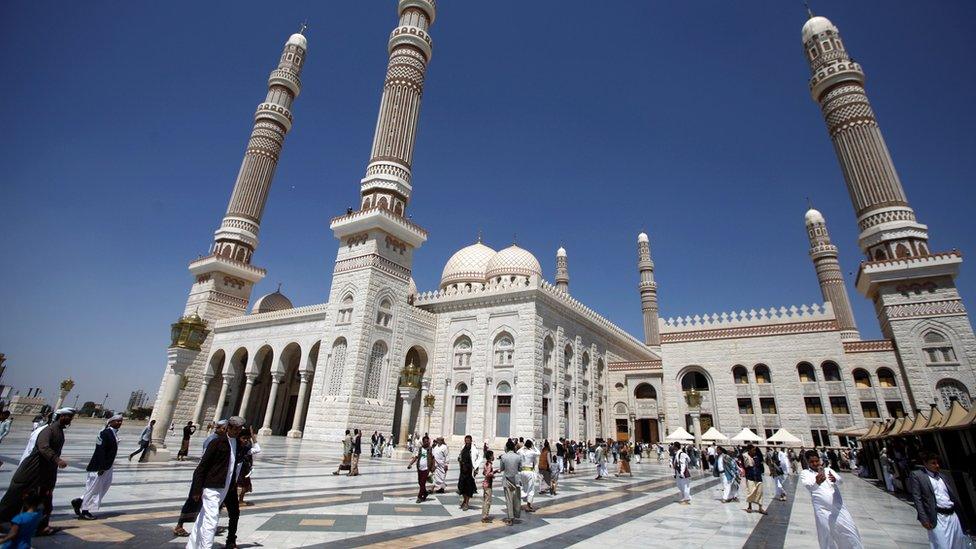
(272, 302)
(298, 40)
(813, 216)
(816, 25)
(467, 264)
(513, 261)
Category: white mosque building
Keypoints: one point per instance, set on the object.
(504, 352)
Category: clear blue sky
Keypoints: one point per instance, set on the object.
(570, 122)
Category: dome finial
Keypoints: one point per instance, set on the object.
(479, 236)
(809, 11)
(303, 26)
(278, 291)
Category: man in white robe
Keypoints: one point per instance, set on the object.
(529, 474)
(99, 469)
(784, 464)
(835, 525)
(212, 481)
(682, 475)
(440, 466)
(937, 504)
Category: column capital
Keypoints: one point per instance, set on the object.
(277, 377)
(306, 376)
(251, 377)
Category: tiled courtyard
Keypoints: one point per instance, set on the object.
(299, 503)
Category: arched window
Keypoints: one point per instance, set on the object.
(462, 352)
(548, 349)
(504, 350)
(739, 375)
(374, 370)
(831, 371)
(886, 378)
(644, 390)
(584, 363)
(806, 373)
(503, 410)
(336, 363)
(460, 409)
(696, 380)
(345, 310)
(949, 388)
(568, 358)
(862, 379)
(762, 374)
(937, 349)
(385, 313)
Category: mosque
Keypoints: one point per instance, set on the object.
(497, 350)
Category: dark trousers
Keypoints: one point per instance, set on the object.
(422, 480)
(233, 513)
(143, 448)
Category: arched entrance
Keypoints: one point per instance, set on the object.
(418, 356)
(223, 370)
(646, 430)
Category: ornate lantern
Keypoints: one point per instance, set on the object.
(429, 402)
(67, 385)
(189, 332)
(410, 376)
(693, 398)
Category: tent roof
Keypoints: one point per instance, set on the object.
(678, 435)
(958, 418)
(853, 431)
(713, 434)
(873, 430)
(935, 420)
(746, 435)
(918, 424)
(784, 436)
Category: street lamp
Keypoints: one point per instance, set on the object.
(428, 408)
(66, 386)
(410, 377)
(693, 398)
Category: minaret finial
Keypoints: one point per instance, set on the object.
(303, 26)
(278, 291)
(479, 236)
(809, 11)
(514, 239)
(809, 203)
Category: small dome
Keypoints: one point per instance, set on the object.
(813, 217)
(467, 264)
(816, 25)
(513, 261)
(561, 252)
(298, 40)
(643, 238)
(272, 302)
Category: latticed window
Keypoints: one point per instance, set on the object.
(462, 352)
(345, 310)
(949, 388)
(584, 363)
(336, 366)
(374, 370)
(384, 316)
(937, 349)
(547, 352)
(504, 350)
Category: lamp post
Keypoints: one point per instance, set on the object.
(65, 388)
(428, 408)
(187, 334)
(409, 385)
(694, 400)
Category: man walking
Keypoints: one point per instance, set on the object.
(510, 465)
(144, 439)
(835, 525)
(99, 478)
(937, 504)
(424, 459)
(346, 464)
(440, 466)
(682, 473)
(601, 461)
(212, 479)
(357, 449)
(528, 475)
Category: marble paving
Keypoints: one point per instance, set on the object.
(298, 502)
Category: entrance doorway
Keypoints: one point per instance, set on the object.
(623, 430)
(646, 431)
(418, 357)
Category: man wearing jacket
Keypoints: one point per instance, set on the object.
(99, 470)
(212, 479)
(937, 504)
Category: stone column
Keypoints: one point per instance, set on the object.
(250, 378)
(178, 360)
(198, 409)
(225, 385)
(269, 411)
(296, 424)
(696, 425)
(407, 394)
(61, 396)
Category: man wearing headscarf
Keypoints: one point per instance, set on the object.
(440, 466)
(212, 479)
(38, 474)
(99, 469)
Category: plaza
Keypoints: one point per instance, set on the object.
(299, 503)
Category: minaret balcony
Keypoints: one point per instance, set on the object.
(830, 75)
(379, 218)
(874, 273)
(219, 263)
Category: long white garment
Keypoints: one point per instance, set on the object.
(835, 525)
(440, 467)
(947, 533)
(529, 475)
(205, 528)
(784, 463)
(681, 464)
(31, 442)
(95, 489)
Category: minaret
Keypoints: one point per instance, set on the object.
(648, 291)
(223, 280)
(887, 223)
(562, 270)
(358, 380)
(824, 256)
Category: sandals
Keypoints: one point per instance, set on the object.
(180, 532)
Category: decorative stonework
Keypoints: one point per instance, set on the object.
(931, 308)
(869, 346)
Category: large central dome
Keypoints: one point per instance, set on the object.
(513, 261)
(467, 265)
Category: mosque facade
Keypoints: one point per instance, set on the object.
(504, 352)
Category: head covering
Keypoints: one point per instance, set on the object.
(222, 422)
(64, 412)
(116, 417)
(235, 421)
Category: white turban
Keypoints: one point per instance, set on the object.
(222, 422)
(116, 417)
(64, 412)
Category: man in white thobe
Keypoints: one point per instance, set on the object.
(440, 466)
(936, 504)
(528, 473)
(682, 475)
(835, 525)
(212, 481)
(99, 469)
(784, 464)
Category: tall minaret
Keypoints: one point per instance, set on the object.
(648, 291)
(824, 255)
(223, 280)
(562, 270)
(887, 223)
(362, 358)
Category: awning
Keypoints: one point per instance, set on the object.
(746, 435)
(918, 424)
(958, 417)
(713, 434)
(679, 435)
(785, 437)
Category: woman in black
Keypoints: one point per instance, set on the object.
(466, 486)
(185, 446)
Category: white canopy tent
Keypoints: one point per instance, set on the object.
(713, 434)
(679, 435)
(746, 435)
(785, 437)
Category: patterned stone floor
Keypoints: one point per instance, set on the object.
(299, 503)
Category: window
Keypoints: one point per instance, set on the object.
(345, 310)
(870, 409)
(806, 373)
(374, 370)
(745, 406)
(504, 350)
(584, 363)
(937, 349)
(385, 313)
(862, 379)
(769, 433)
(545, 411)
(820, 438)
(768, 405)
(762, 374)
(336, 365)
(460, 409)
(695, 380)
(547, 353)
(895, 408)
(886, 378)
(645, 390)
(739, 375)
(503, 410)
(568, 359)
(831, 371)
(813, 404)
(462, 352)
(838, 405)
(950, 389)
